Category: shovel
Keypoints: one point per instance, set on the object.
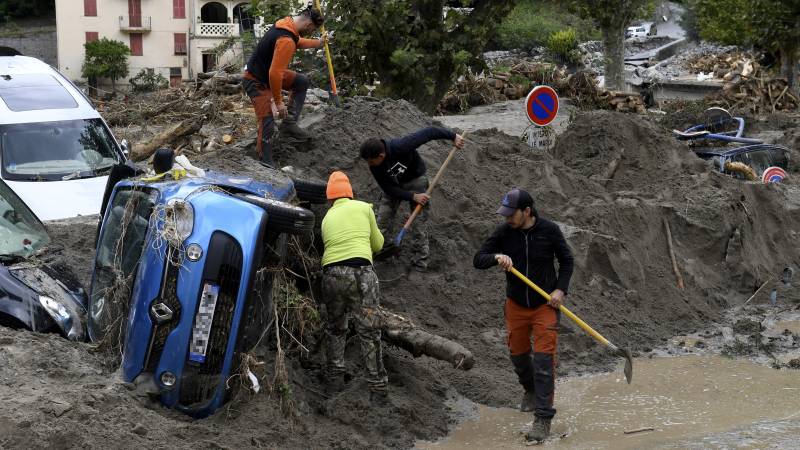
(623, 352)
(394, 247)
(334, 92)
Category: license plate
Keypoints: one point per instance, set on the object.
(202, 323)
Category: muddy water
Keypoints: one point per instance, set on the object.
(688, 402)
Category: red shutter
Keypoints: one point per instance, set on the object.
(180, 43)
(135, 12)
(92, 36)
(90, 8)
(178, 9)
(136, 44)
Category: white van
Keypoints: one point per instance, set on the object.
(55, 149)
(639, 31)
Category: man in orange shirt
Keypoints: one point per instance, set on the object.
(267, 73)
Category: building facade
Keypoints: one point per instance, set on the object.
(176, 38)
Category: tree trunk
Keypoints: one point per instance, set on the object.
(614, 48)
(399, 331)
(789, 67)
(187, 127)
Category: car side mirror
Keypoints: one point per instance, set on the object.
(124, 145)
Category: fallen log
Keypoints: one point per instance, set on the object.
(166, 137)
(401, 332)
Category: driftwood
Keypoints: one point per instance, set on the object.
(187, 127)
(401, 332)
(672, 255)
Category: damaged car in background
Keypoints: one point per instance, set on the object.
(34, 295)
(183, 277)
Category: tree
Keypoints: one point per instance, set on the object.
(105, 58)
(773, 25)
(776, 26)
(26, 8)
(612, 16)
(415, 49)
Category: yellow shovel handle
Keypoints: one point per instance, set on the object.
(327, 54)
(585, 326)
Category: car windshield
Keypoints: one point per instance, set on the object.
(53, 151)
(21, 233)
(120, 247)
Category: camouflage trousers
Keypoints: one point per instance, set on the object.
(348, 291)
(418, 235)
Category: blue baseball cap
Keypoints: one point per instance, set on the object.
(515, 199)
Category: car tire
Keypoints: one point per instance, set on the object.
(311, 191)
(283, 217)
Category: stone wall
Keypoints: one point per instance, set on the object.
(40, 43)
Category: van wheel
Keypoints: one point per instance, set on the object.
(311, 191)
(281, 216)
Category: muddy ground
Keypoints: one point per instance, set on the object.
(729, 237)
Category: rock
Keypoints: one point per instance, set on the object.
(139, 429)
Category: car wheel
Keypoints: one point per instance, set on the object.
(283, 217)
(311, 191)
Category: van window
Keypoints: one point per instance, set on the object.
(30, 92)
(54, 151)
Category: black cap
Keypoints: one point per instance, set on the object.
(515, 199)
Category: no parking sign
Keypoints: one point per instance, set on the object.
(541, 107)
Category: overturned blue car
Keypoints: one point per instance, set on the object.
(182, 280)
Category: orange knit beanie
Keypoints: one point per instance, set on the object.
(339, 186)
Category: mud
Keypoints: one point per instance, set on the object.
(729, 236)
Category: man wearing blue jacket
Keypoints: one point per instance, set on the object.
(400, 172)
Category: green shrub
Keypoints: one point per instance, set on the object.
(148, 81)
(532, 22)
(564, 44)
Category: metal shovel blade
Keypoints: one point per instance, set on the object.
(625, 353)
(387, 252)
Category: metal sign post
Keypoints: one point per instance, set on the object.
(541, 107)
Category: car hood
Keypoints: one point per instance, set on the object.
(53, 200)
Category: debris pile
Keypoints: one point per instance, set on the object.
(757, 94)
(730, 66)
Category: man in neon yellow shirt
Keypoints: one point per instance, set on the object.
(350, 234)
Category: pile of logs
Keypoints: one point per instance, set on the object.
(730, 67)
(623, 101)
(757, 94)
(218, 82)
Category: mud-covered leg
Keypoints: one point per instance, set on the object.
(420, 247)
(369, 332)
(387, 211)
(340, 289)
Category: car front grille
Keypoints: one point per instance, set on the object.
(223, 268)
(169, 297)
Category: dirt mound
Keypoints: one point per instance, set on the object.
(729, 236)
(622, 151)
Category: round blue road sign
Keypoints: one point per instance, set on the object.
(541, 105)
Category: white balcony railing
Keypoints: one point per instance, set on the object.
(134, 23)
(217, 29)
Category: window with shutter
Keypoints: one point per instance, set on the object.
(136, 44)
(180, 43)
(178, 9)
(90, 8)
(92, 36)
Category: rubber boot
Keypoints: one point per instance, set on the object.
(523, 366)
(540, 430)
(290, 128)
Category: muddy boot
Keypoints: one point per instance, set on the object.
(379, 397)
(290, 128)
(528, 403)
(336, 382)
(540, 430)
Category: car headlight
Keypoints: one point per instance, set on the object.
(60, 315)
(180, 217)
